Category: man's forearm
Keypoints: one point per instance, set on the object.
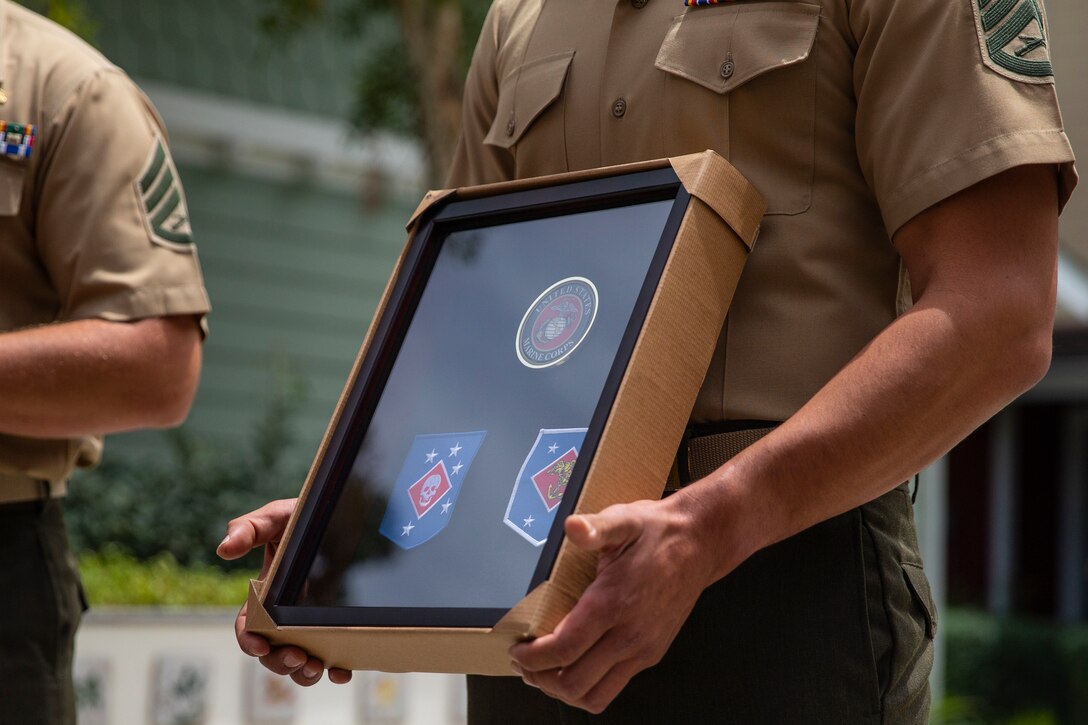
(912, 395)
(92, 376)
(976, 339)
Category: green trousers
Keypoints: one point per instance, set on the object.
(834, 625)
(41, 602)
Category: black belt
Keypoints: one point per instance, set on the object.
(702, 452)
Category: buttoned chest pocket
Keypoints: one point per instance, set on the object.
(529, 98)
(11, 188)
(747, 71)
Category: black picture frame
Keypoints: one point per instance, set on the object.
(364, 389)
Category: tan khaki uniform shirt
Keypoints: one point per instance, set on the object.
(93, 224)
(850, 116)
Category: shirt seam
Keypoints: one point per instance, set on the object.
(1045, 146)
(917, 178)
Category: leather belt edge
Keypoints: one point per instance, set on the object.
(700, 456)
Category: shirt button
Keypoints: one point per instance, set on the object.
(619, 108)
(510, 128)
(727, 69)
(639, 4)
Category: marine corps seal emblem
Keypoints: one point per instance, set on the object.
(556, 323)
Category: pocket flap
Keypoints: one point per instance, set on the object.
(919, 587)
(524, 94)
(11, 188)
(723, 49)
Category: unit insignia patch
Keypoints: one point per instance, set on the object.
(542, 481)
(425, 493)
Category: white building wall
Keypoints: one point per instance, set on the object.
(140, 665)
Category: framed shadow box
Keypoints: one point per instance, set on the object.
(536, 354)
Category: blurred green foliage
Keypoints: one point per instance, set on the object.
(413, 58)
(388, 87)
(72, 14)
(180, 504)
(1010, 671)
(112, 577)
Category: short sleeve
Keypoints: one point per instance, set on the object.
(949, 93)
(113, 227)
(474, 161)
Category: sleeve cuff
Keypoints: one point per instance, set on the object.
(977, 164)
(138, 304)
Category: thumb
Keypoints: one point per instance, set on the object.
(613, 528)
(257, 528)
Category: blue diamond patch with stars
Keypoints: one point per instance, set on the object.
(542, 481)
(423, 499)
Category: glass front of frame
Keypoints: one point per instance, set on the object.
(486, 412)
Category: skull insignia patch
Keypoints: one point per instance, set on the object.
(423, 498)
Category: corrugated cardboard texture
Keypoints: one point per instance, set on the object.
(640, 437)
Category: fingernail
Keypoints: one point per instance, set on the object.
(224, 541)
(311, 670)
(294, 659)
(517, 670)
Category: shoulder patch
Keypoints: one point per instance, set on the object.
(162, 201)
(1013, 38)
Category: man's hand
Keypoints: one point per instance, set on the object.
(264, 527)
(650, 573)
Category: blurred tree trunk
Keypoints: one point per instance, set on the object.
(433, 31)
(412, 63)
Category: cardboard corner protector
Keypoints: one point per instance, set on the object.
(430, 199)
(718, 184)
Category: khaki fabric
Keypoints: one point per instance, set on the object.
(85, 231)
(851, 117)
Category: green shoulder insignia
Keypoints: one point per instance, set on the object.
(162, 201)
(1013, 36)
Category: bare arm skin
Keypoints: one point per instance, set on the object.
(91, 377)
(983, 270)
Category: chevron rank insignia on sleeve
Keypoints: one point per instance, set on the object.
(162, 201)
(1013, 37)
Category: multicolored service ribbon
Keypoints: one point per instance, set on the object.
(16, 140)
(697, 3)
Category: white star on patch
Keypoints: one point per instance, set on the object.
(553, 448)
(407, 530)
(455, 450)
(529, 521)
(431, 455)
(446, 506)
(457, 468)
